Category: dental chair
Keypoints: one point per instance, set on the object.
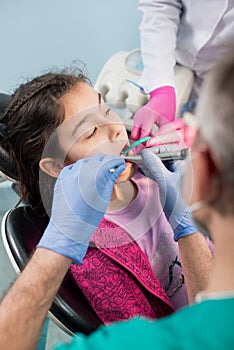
(21, 230)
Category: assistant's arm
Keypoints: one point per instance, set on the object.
(158, 31)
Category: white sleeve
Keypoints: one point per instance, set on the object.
(158, 30)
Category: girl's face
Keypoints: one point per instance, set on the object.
(90, 127)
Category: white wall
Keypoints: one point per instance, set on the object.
(38, 34)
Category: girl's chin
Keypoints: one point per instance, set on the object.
(128, 173)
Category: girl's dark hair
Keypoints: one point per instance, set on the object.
(34, 113)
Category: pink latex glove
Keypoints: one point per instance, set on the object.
(159, 110)
(175, 132)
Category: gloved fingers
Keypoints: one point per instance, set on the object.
(148, 118)
(159, 140)
(163, 100)
(154, 169)
(137, 126)
(139, 133)
(167, 134)
(108, 167)
(154, 165)
(175, 132)
(136, 132)
(144, 120)
(142, 129)
(94, 178)
(94, 163)
(111, 164)
(88, 183)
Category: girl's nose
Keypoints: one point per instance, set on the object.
(115, 131)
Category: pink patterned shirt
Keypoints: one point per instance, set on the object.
(144, 220)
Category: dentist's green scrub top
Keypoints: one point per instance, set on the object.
(207, 325)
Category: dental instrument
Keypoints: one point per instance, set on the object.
(135, 144)
(162, 152)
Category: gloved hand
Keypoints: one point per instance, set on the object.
(175, 132)
(81, 196)
(159, 110)
(175, 209)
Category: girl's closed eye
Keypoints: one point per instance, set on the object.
(92, 133)
(95, 129)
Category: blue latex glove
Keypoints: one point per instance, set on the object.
(168, 179)
(81, 196)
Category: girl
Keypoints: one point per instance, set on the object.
(131, 266)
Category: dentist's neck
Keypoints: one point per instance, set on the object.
(222, 277)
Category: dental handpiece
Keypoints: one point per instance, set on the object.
(163, 153)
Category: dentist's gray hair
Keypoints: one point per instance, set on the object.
(215, 112)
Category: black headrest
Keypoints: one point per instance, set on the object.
(6, 165)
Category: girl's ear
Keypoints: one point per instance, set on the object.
(51, 166)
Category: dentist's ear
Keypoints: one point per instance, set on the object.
(206, 176)
(51, 166)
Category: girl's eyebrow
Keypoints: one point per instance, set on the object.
(83, 121)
